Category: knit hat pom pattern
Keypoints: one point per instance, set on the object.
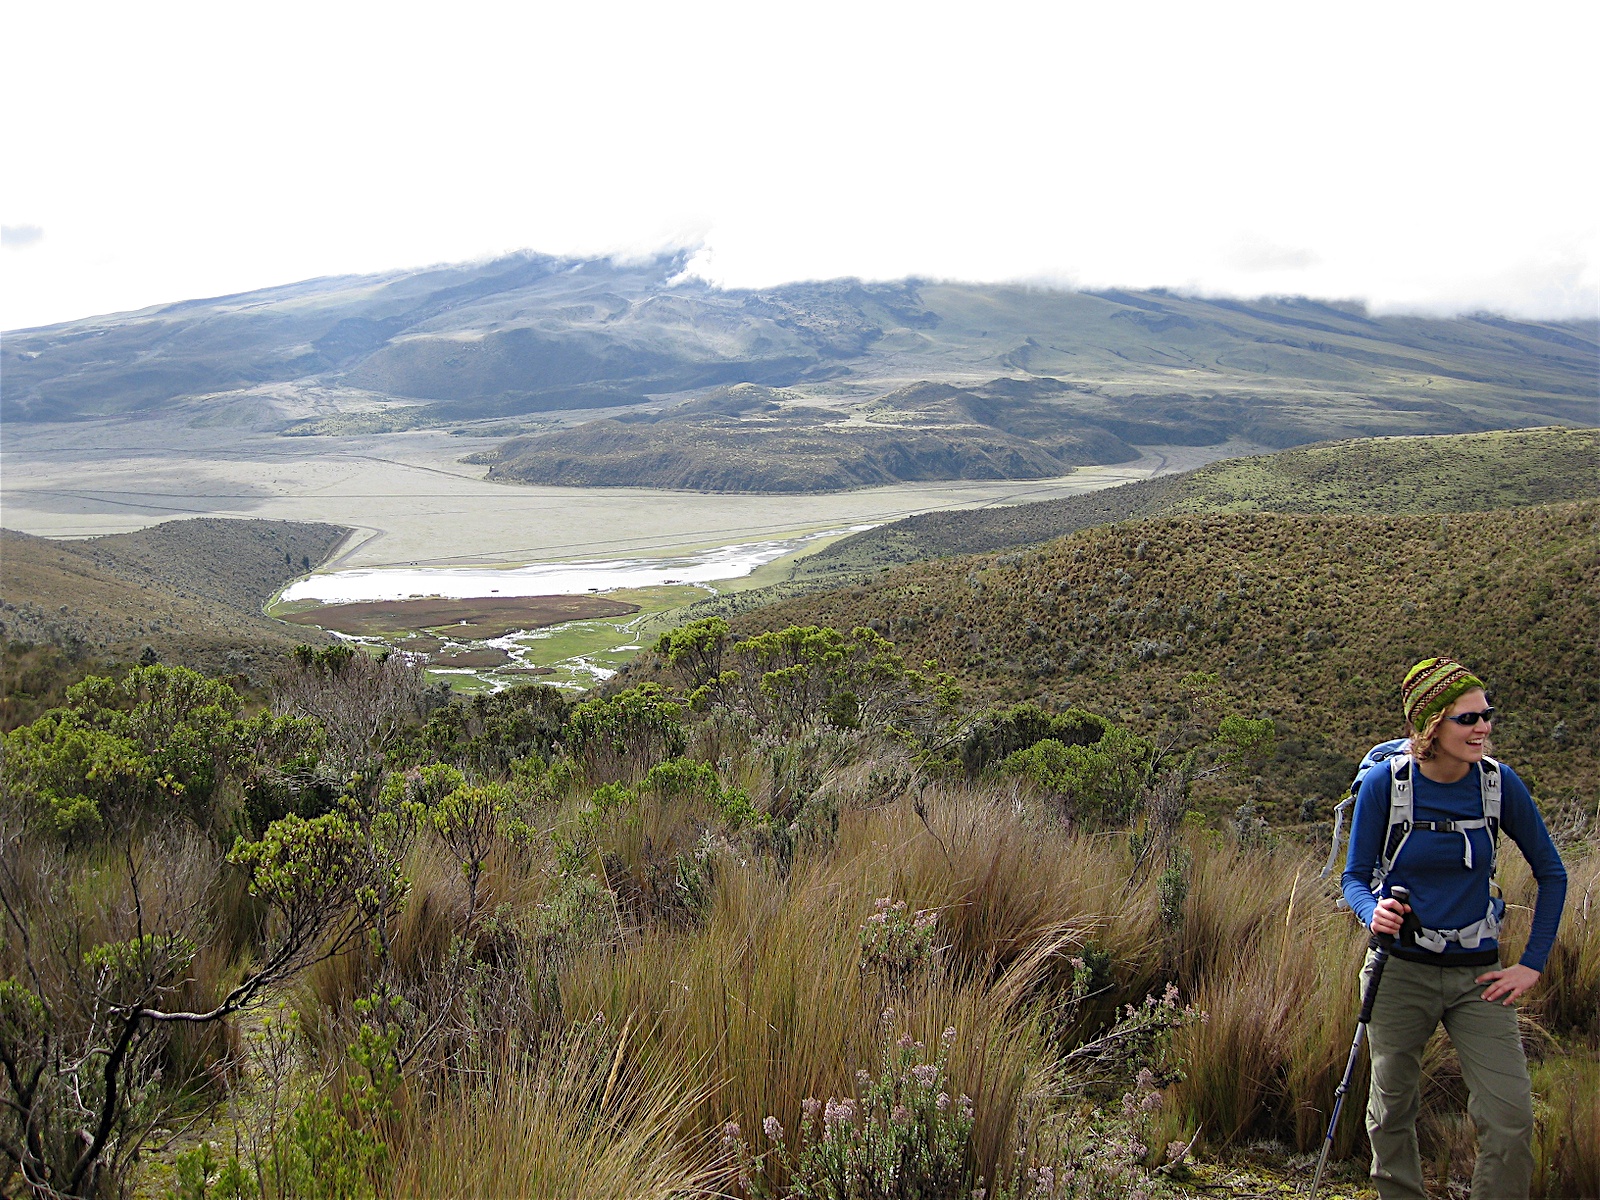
(1432, 686)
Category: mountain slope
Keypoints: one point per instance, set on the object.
(1087, 374)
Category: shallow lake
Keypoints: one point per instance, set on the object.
(549, 579)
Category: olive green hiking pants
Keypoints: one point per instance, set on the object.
(1413, 998)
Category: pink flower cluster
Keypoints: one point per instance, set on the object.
(1146, 1096)
(892, 910)
(838, 1112)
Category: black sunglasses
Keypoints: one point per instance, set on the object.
(1472, 718)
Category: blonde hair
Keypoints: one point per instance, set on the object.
(1423, 741)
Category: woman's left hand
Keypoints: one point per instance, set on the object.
(1509, 982)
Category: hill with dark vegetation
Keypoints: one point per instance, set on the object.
(758, 445)
(1461, 473)
(1308, 619)
(190, 591)
(904, 380)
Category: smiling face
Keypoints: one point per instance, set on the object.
(1457, 747)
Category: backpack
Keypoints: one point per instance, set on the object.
(1394, 756)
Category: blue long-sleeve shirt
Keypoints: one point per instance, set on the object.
(1445, 894)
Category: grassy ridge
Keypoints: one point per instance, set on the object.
(1308, 619)
(1462, 473)
(775, 456)
(742, 439)
(1451, 473)
(191, 590)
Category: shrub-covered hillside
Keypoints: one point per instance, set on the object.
(1382, 476)
(187, 591)
(190, 589)
(1308, 619)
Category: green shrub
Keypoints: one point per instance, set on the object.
(999, 733)
(1100, 784)
(622, 736)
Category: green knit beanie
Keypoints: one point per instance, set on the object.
(1432, 686)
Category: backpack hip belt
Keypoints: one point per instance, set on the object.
(1468, 937)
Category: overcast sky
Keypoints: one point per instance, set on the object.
(1434, 156)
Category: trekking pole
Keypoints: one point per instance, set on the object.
(1370, 994)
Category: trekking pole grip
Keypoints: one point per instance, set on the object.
(1369, 995)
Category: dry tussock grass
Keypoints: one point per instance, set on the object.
(589, 1118)
(759, 998)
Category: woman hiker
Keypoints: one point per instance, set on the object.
(1445, 964)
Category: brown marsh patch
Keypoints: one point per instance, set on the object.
(477, 657)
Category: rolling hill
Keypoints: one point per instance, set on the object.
(742, 439)
(190, 590)
(1305, 580)
(1444, 474)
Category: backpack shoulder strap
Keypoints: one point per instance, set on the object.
(1489, 782)
(1489, 777)
(1402, 813)
(1402, 806)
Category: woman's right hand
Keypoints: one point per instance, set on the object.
(1388, 916)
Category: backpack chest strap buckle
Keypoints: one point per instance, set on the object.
(1450, 826)
(1460, 827)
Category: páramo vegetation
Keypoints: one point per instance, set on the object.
(793, 919)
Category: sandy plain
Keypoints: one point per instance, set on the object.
(411, 501)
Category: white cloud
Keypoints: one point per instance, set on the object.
(20, 237)
(1428, 155)
(1251, 252)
